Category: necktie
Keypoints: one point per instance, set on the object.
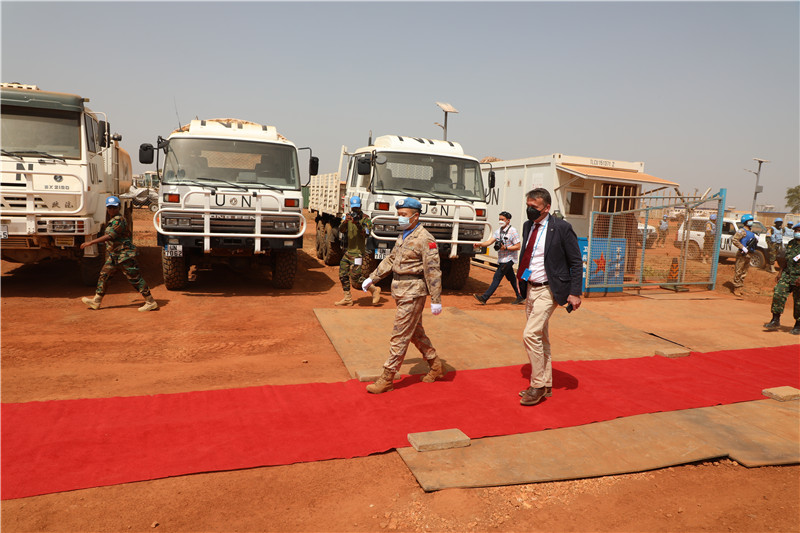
(526, 257)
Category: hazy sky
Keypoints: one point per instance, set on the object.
(695, 90)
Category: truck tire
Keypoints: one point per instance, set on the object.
(455, 272)
(333, 252)
(284, 268)
(153, 208)
(758, 259)
(175, 272)
(90, 269)
(693, 251)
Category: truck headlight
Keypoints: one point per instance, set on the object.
(184, 222)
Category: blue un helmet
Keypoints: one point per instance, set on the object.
(778, 221)
(355, 201)
(112, 201)
(747, 218)
(713, 217)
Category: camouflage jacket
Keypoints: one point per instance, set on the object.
(356, 235)
(414, 261)
(120, 247)
(792, 267)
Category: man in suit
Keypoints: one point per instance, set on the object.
(551, 268)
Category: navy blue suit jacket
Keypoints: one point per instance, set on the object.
(563, 263)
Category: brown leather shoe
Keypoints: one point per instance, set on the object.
(548, 391)
(533, 398)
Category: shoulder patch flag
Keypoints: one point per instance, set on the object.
(432, 245)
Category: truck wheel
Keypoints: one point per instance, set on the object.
(153, 208)
(174, 270)
(693, 252)
(320, 240)
(90, 269)
(333, 252)
(455, 272)
(758, 259)
(284, 268)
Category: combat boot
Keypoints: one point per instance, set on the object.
(347, 300)
(773, 324)
(384, 383)
(93, 303)
(772, 269)
(738, 292)
(376, 294)
(436, 371)
(796, 328)
(149, 304)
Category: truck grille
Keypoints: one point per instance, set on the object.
(18, 241)
(221, 223)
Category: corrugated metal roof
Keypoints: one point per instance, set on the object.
(589, 172)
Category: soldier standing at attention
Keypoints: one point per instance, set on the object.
(788, 282)
(355, 228)
(414, 261)
(120, 254)
(742, 239)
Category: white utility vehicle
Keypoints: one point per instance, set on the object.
(697, 227)
(447, 183)
(229, 193)
(59, 163)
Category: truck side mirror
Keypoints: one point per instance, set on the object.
(146, 154)
(364, 165)
(313, 166)
(491, 179)
(105, 134)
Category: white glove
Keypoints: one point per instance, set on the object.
(366, 285)
(436, 308)
(744, 250)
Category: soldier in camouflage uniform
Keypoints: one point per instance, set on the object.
(788, 282)
(743, 256)
(355, 228)
(120, 254)
(414, 262)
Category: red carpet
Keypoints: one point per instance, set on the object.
(73, 444)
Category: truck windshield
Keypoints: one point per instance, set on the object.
(440, 175)
(32, 131)
(246, 162)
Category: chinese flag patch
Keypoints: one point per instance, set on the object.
(432, 245)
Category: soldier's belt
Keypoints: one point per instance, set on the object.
(404, 277)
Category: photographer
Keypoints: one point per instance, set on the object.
(506, 242)
(354, 229)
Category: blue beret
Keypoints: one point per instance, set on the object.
(411, 203)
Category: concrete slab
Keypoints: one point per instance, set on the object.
(443, 439)
(753, 433)
(782, 394)
(480, 339)
(674, 352)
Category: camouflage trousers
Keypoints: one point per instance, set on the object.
(130, 268)
(740, 269)
(408, 329)
(786, 284)
(772, 251)
(350, 274)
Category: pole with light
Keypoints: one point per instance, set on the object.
(447, 108)
(758, 187)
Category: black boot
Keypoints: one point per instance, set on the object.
(774, 324)
(796, 328)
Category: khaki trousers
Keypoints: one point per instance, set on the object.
(408, 328)
(539, 307)
(740, 269)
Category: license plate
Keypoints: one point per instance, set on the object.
(3, 232)
(381, 253)
(173, 250)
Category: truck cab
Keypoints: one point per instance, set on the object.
(230, 193)
(59, 163)
(447, 182)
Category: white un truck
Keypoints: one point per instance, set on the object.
(447, 183)
(59, 163)
(230, 193)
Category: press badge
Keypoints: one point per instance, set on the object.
(358, 260)
(526, 274)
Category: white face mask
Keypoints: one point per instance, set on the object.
(404, 222)
(503, 223)
(797, 235)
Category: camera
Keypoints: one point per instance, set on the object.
(356, 215)
(499, 244)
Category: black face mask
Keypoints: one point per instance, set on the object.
(533, 213)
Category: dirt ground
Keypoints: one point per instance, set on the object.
(234, 330)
